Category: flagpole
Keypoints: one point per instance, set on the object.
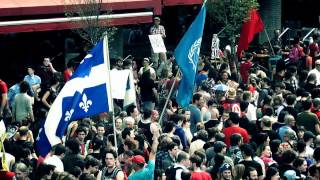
(169, 95)
(269, 41)
(106, 53)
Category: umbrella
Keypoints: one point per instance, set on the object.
(221, 87)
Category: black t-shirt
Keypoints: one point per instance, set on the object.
(291, 110)
(253, 164)
(146, 85)
(272, 134)
(211, 123)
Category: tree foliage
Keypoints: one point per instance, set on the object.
(92, 29)
(230, 14)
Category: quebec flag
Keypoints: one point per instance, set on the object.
(87, 93)
(186, 55)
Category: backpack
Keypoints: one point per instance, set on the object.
(171, 172)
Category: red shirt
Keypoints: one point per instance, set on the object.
(200, 176)
(232, 130)
(67, 75)
(244, 70)
(6, 175)
(3, 87)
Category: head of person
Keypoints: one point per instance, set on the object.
(110, 158)
(289, 120)
(307, 104)
(100, 129)
(183, 159)
(30, 70)
(317, 64)
(154, 115)
(118, 123)
(59, 150)
(146, 62)
(234, 117)
(308, 137)
(196, 161)
(203, 135)
(220, 147)
(81, 133)
(266, 151)
(301, 164)
(173, 149)
(132, 111)
(196, 99)
(291, 99)
(24, 87)
(224, 76)
(127, 133)
(129, 122)
(251, 173)
(138, 162)
(239, 170)
(288, 156)
(156, 20)
(92, 164)
(46, 61)
(247, 150)
(22, 171)
(236, 139)
(226, 171)
(272, 173)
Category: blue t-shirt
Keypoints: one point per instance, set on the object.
(195, 117)
(146, 173)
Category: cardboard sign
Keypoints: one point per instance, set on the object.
(157, 43)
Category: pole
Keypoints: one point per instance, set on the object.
(269, 41)
(106, 55)
(167, 100)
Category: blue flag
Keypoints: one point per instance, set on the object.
(187, 54)
(86, 93)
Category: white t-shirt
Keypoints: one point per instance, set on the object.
(55, 161)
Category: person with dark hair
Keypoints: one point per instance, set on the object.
(266, 127)
(81, 135)
(195, 113)
(307, 119)
(73, 156)
(59, 151)
(288, 158)
(50, 93)
(22, 105)
(248, 161)
(33, 81)
(91, 165)
(302, 165)
(272, 173)
(234, 151)
(168, 159)
(127, 133)
(110, 171)
(197, 173)
(234, 128)
(251, 173)
(202, 137)
(145, 125)
(182, 164)
(291, 100)
(132, 111)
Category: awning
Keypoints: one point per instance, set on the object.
(38, 7)
(181, 2)
(72, 23)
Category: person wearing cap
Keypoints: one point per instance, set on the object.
(158, 29)
(316, 71)
(110, 171)
(291, 175)
(226, 172)
(142, 171)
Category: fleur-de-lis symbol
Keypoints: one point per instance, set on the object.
(85, 104)
(38, 137)
(68, 115)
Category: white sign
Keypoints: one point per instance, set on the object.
(157, 43)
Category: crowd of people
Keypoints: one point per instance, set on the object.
(247, 125)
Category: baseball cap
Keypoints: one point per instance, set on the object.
(291, 175)
(146, 59)
(156, 18)
(225, 167)
(308, 135)
(317, 61)
(219, 145)
(138, 159)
